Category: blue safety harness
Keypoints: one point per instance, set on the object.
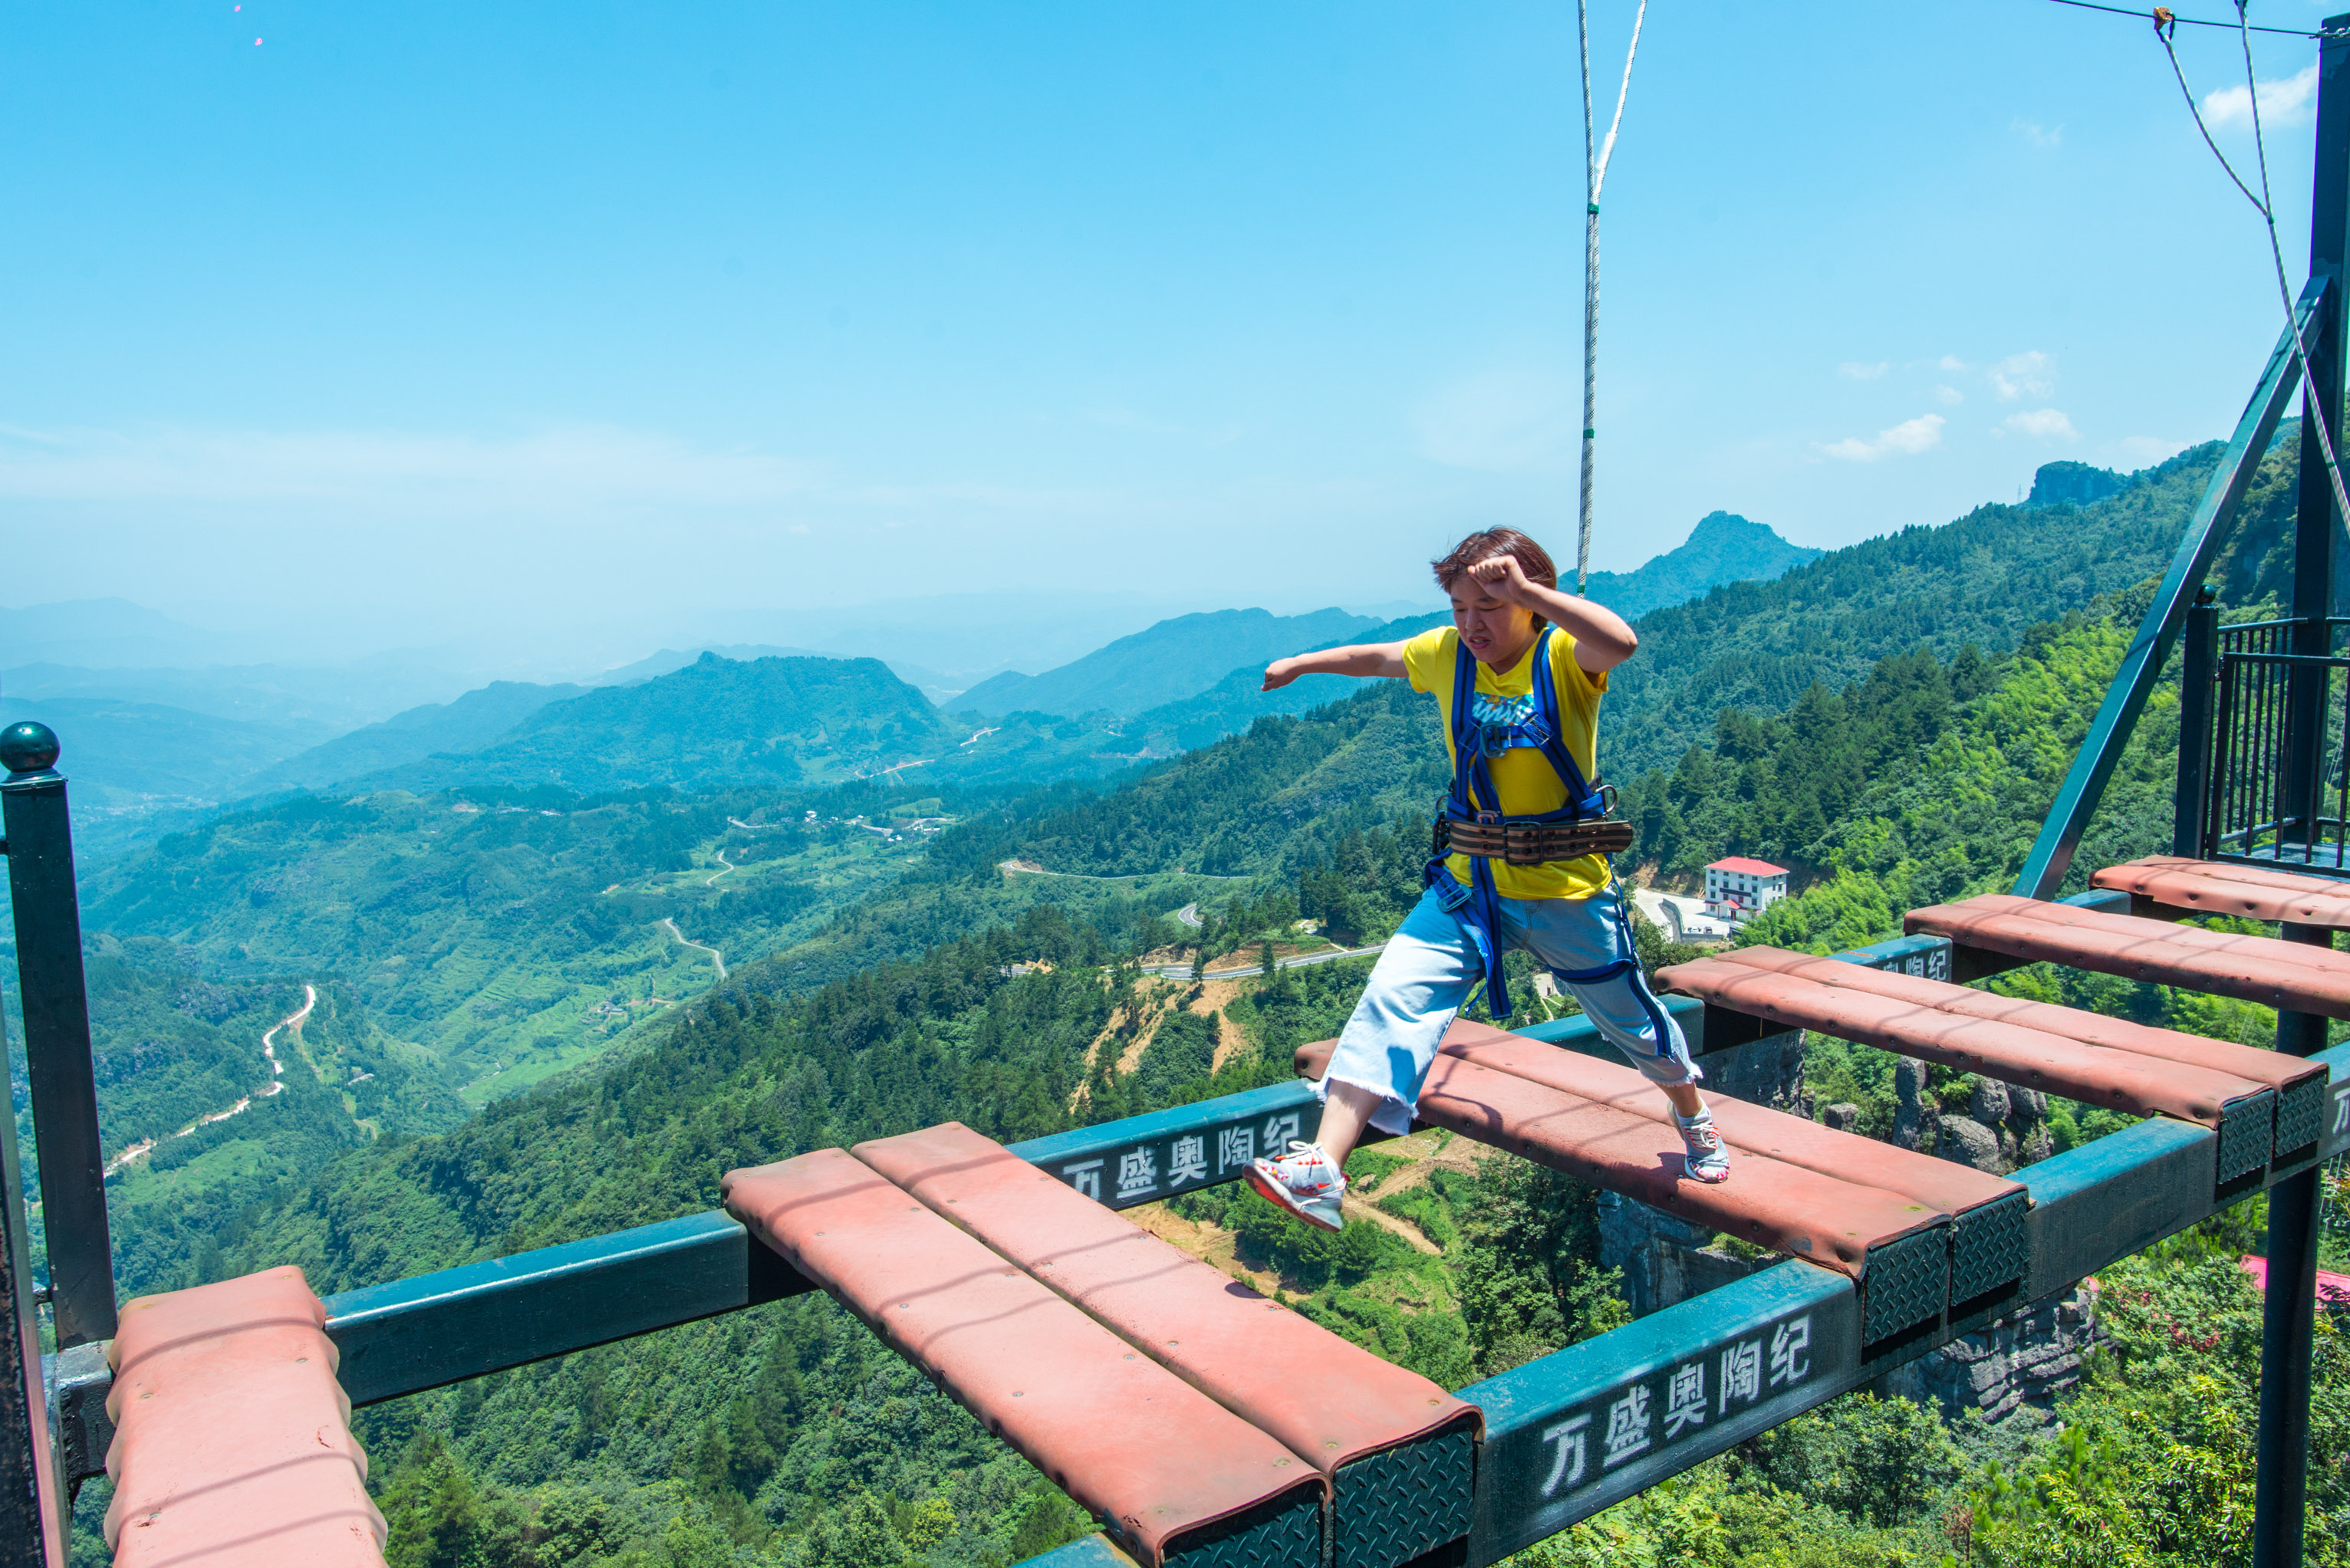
(1475, 743)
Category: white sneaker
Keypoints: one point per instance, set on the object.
(1706, 1159)
(1305, 1182)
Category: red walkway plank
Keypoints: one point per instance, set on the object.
(1830, 1222)
(2287, 975)
(1399, 1450)
(1323, 1397)
(1938, 1184)
(1116, 1431)
(1805, 992)
(2246, 1061)
(2214, 887)
(231, 1441)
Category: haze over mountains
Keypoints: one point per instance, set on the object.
(142, 739)
(1166, 663)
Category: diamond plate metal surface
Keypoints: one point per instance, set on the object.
(1905, 1283)
(2301, 1114)
(2246, 1131)
(1991, 1247)
(1286, 1533)
(1405, 1501)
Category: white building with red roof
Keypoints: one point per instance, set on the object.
(1737, 889)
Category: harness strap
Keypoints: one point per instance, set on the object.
(1478, 905)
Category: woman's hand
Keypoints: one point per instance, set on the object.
(1502, 576)
(1279, 674)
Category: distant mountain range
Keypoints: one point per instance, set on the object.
(939, 687)
(1163, 663)
(739, 713)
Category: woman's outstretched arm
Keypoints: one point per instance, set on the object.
(1385, 659)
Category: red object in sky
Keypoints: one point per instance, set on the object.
(2332, 1288)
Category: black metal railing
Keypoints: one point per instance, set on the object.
(2262, 743)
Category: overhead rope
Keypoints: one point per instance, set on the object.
(1594, 175)
(2166, 27)
(2194, 21)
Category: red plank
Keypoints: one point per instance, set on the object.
(1940, 1184)
(1323, 1397)
(2274, 973)
(1766, 1201)
(2246, 1061)
(2095, 1074)
(2213, 888)
(1114, 1430)
(231, 1439)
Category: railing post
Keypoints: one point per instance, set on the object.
(57, 1037)
(2196, 672)
(33, 1520)
(2289, 1315)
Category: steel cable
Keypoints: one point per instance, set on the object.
(1594, 175)
(2265, 205)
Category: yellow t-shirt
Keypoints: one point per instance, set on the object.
(1529, 785)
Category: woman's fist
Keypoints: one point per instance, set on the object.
(1502, 576)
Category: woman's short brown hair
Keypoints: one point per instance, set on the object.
(1488, 543)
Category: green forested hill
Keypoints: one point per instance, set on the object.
(1722, 548)
(765, 721)
(473, 720)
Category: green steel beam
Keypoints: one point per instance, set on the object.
(2101, 750)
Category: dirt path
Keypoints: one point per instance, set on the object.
(718, 961)
(140, 1149)
(1360, 1208)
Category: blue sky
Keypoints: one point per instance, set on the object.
(407, 317)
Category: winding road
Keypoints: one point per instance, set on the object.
(276, 1082)
(714, 958)
(730, 866)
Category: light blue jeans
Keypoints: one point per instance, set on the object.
(1426, 973)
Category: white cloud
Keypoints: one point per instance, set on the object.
(2041, 424)
(1499, 421)
(2287, 102)
(1951, 365)
(1909, 438)
(1948, 397)
(1854, 370)
(2031, 372)
(2043, 136)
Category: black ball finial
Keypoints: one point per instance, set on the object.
(28, 748)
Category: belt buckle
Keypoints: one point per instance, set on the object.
(1492, 737)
